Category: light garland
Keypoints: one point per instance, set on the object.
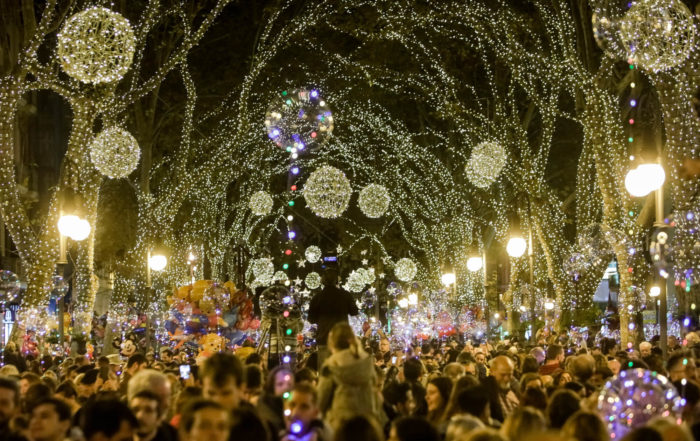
(374, 200)
(355, 282)
(327, 192)
(485, 163)
(115, 152)
(262, 268)
(96, 46)
(260, 203)
(405, 269)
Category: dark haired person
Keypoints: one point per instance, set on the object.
(107, 420)
(205, 420)
(146, 409)
(9, 407)
(50, 420)
(222, 380)
(554, 360)
(330, 306)
(137, 362)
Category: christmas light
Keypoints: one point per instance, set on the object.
(327, 192)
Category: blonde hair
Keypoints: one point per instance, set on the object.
(343, 337)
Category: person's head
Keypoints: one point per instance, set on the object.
(643, 434)
(166, 355)
(107, 420)
(672, 341)
(154, 381)
(329, 277)
(582, 367)
(644, 349)
(26, 380)
(562, 405)
(253, 358)
(538, 354)
(530, 365)
(561, 377)
(306, 375)
(66, 391)
(204, 420)
(670, 429)
(253, 382)
(522, 422)
(342, 337)
(681, 365)
(400, 396)
(359, 428)
(453, 371)
(301, 408)
(146, 409)
(485, 434)
(222, 380)
(103, 361)
(475, 401)
(534, 397)
(585, 426)
(502, 371)
(9, 398)
(50, 420)
(136, 362)
(555, 352)
(531, 380)
(384, 345)
(460, 426)
(412, 369)
(279, 381)
(412, 429)
(480, 357)
(437, 394)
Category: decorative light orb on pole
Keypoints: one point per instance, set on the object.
(157, 262)
(448, 279)
(74, 227)
(475, 263)
(654, 291)
(644, 179)
(516, 247)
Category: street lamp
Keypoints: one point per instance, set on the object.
(474, 264)
(516, 247)
(644, 179)
(448, 279)
(654, 291)
(157, 262)
(74, 227)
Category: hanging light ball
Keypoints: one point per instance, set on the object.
(312, 280)
(658, 35)
(636, 396)
(298, 120)
(263, 269)
(374, 200)
(405, 269)
(9, 286)
(367, 275)
(355, 282)
(96, 46)
(115, 152)
(312, 254)
(605, 21)
(327, 192)
(280, 276)
(260, 203)
(485, 164)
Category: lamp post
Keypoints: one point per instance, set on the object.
(69, 226)
(639, 182)
(474, 264)
(515, 248)
(155, 262)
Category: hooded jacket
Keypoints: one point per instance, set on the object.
(346, 387)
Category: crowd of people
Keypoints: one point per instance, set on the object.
(366, 389)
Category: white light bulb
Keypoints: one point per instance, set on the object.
(157, 262)
(474, 263)
(516, 247)
(81, 230)
(448, 279)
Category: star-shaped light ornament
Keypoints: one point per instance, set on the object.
(372, 289)
(339, 249)
(363, 252)
(365, 261)
(297, 281)
(301, 263)
(381, 275)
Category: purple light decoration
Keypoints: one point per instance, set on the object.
(287, 300)
(314, 93)
(296, 426)
(291, 234)
(686, 322)
(274, 134)
(689, 215)
(301, 114)
(286, 359)
(301, 146)
(633, 103)
(295, 170)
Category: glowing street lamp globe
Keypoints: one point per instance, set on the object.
(448, 279)
(516, 247)
(157, 262)
(548, 305)
(474, 264)
(67, 224)
(81, 231)
(654, 291)
(644, 179)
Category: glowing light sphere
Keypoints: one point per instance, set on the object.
(96, 46)
(263, 269)
(67, 224)
(280, 276)
(634, 397)
(260, 203)
(115, 152)
(355, 282)
(312, 280)
(327, 192)
(81, 230)
(475, 263)
(448, 279)
(485, 164)
(367, 275)
(405, 269)
(9, 286)
(312, 254)
(299, 120)
(658, 34)
(606, 25)
(516, 247)
(158, 262)
(374, 200)
(644, 179)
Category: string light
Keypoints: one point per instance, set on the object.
(405, 269)
(260, 203)
(327, 192)
(374, 200)
(115, 152)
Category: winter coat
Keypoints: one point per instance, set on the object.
(346, 387)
